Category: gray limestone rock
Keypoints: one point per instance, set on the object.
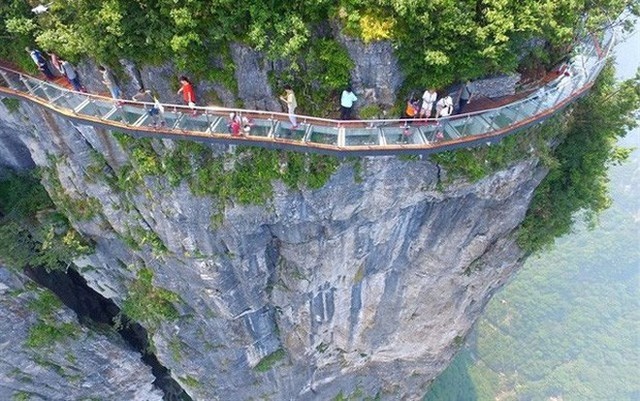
(14, 155)
(503, 85)
(361, 287)
(251, 75)
(47, 355)
(376, 77)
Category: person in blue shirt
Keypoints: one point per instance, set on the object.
(346, 103)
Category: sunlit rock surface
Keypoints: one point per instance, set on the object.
(363, 287)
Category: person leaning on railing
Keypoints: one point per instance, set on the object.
(156, 111)
(110, 82)
(465, 96)
(70, 72)
(444, 106)
(289, 98)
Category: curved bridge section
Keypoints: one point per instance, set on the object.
(334, 137)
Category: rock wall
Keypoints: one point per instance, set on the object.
(89, 365)
(362, 288)
(376, 77)
(14, 155)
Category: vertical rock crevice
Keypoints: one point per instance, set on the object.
(94, 309)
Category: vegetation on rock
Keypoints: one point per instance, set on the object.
(577, 147)
(577, 181)
(270, 360)
(32, 231)
(148, 304)
(48, 330)
(244, 177)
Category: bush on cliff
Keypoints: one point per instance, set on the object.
(578, 181)
(32, 231)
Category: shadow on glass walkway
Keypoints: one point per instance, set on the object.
(325, 136)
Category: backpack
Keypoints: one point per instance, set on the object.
(410, 111)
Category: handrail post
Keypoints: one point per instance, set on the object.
(341, 136)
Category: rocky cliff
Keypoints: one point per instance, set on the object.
(81, 364)
(363, 287)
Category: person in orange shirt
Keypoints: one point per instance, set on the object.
(188, 93)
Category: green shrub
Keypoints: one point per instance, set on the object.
(320, 170)
(48, 331)
(268, 361)
(371, 111)
(13, 105)
(47, 334)
(20, 396)
(147, 304)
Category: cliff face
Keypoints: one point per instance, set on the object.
(363, 287)
(376, 77)
(47, 355)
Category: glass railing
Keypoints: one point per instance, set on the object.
(361, 136)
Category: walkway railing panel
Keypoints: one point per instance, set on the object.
(364, 136)
(274, 129)
(326, 135)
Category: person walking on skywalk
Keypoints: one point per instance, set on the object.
(41, 62)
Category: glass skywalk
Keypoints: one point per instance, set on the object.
(362, 137)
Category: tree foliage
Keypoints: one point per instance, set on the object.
(32, 231)
(578, 181)
(437, 41)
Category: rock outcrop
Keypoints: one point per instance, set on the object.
(366, 286)
(47, 355)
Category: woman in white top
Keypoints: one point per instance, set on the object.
(428, 99)
(346, 103)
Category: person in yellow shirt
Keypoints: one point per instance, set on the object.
(290, 99)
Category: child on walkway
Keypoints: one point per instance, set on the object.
(156, 111)
(56, 63)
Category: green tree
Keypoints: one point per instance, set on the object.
(437, 42)
(578, 182)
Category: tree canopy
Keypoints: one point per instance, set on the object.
(437, 41)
